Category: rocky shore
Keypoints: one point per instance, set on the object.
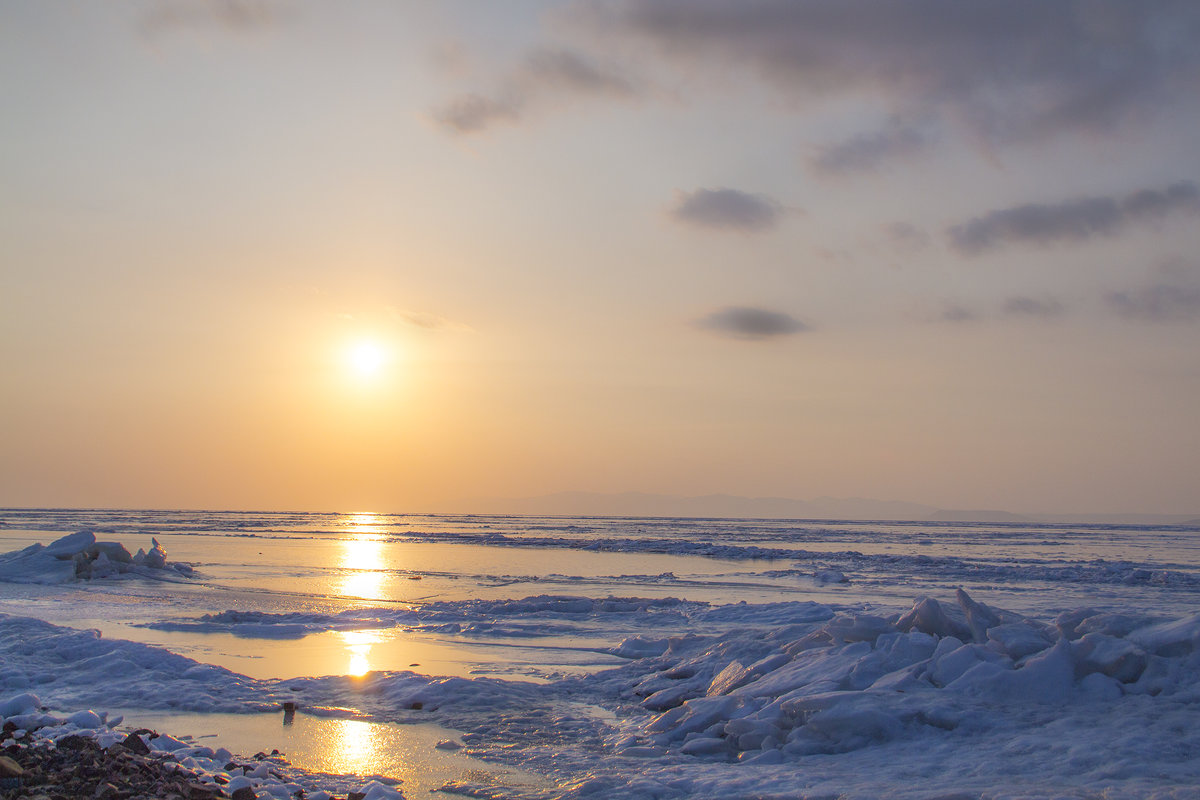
(77, 767)
(54, 762)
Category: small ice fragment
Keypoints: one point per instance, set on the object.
(1017, 640)
(928, 616)
(66, 547)
(979, 616)
(115, 551)
(167, 743)
(1100, 687)
(20, 704)
(857, 627)
(704, 746)
(85, 719)
(1117, 658)
(448, 744)
(375, 790)
(640, 647)
(157, 557)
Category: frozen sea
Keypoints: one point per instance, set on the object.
(645, 658)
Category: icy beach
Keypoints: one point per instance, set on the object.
(539, 658)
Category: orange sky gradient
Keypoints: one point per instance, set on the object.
(600, 247)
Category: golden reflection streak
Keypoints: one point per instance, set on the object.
(356, 749)
(363, 577)
(363, 522)
(358, 646)
(362, 557)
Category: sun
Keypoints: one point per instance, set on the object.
(366, 358)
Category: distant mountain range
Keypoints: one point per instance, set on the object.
(724, 506)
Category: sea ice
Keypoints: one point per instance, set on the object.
(79, 556)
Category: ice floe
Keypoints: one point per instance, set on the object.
(78, 556)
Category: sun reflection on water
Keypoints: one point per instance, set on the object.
(352, 748)
(362, 558)
(363, 575)
(358, 646)
(364, 522)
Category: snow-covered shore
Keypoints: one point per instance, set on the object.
(878, 681)
(942, 697)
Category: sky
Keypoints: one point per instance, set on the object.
(394, 256)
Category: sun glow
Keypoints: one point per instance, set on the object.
(366, 358)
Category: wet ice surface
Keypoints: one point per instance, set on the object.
(655, 658)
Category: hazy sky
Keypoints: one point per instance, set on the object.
(933, 251)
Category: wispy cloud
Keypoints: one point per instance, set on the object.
(1008, 70)
(751, 324)
(166, 16)
(544, 74)
(869, 151)
(427, 321)
(727, 209)
(1162, 302)
(1043, 307)
(906, 236)
(471, 113)
(569, 71)
(956, 312)
(1076, 219)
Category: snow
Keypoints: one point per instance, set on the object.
(852, 686)
(1088, 687)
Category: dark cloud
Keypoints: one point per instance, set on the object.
(1008, 70)
(472, 112)
(906, 236)
(1022, 306)
(543, 74)
(1158, 303)
(727, 209)
(953, 312)
(742, 322)
(1076, 219)
(571, 72)
(869, 151)
(165, 16)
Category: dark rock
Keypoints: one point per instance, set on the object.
(74, 742)
(356, 796)
(244, 793)
(9, 726)
(134, 744)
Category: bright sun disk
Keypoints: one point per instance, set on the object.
(366, 358)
